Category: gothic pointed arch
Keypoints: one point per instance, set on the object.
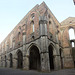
(34, 58)
(51, 56)
(71, 33)
(5, 61)
(19, 59)
(61, 57)
(33, 44)
(11, 60)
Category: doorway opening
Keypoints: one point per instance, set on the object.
(51, 57)
(5, 61)
(19, 59)
(34, 59)
(61, 59)
(11, 61)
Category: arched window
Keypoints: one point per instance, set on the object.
(32, 15)
(11, 40)
(49, 15)
(32, 26)
(5, 45)
(49, 26)
(72, 44)
(49, 22)
(71, 34)
(19, 36)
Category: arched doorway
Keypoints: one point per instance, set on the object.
(34, 58)
(61, 59)
(51, 57)
(19, 59)
(11, 61)
(5, 61)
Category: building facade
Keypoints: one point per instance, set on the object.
(38, 42)
(68, 39)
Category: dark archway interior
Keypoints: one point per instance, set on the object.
(34, 63)
(61, 60)
(20, 60)
(11, 62)
(74, 64)
(51, 59)
(5, 62)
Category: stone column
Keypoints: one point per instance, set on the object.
(43, 25)
(44, 44)
(57, 62)
(25, 56)
(58, 57)
(8, 61)
(14, 63)
(45, 62)
(44, 54)
(26, 62)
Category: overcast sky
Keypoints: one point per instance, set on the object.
(12, 11)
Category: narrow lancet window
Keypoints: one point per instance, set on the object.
(71, 34)
(32, 26)
(72, 44)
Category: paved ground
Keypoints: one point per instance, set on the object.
(7, 71)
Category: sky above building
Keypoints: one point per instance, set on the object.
(12, 11)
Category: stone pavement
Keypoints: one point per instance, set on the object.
(8, 71)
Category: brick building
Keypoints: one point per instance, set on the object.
(68, 40)
(38, 42)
